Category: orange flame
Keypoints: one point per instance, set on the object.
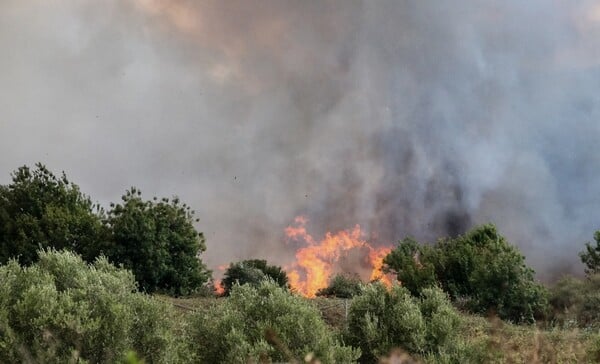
(318, 261)
(376, 256)
(219, 289)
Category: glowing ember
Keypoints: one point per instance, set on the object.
(319, 261)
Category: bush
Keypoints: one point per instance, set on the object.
(576, 301)
(480, 269)
(380, 320)
(342, 286)
(253, 272)
(62, 309)
(264, 322)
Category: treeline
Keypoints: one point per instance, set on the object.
(155, 239)
(75, 279)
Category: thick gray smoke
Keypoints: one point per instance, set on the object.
(417, 118)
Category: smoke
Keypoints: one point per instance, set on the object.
(416, 118)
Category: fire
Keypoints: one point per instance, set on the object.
(376, 257)
(219, 289)
(320, 260)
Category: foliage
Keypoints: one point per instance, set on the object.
(576, 302)
(342, 286)
(413, 264)
(40, 210)
(62, 309)
(253, 272)
(158, 242)
(480, 269)
(380, 320)
(591, 255)
(264, 322)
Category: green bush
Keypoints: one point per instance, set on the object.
(380, 320)
(62, 309)
(342, 286)
(480, 269)
(252, 271)
(264, 322)
(576, 301)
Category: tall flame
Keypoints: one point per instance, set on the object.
(319, 260)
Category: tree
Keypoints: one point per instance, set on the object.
(480, 269)
(158, 242)
(591, 255)
(40, 210)
(412, 263)
(64, 310)
(342, 286)
(253, 271)
(264, 323)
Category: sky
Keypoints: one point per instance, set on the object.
(409, 118)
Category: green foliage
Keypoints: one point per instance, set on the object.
(591, 255)
(380, 320)
(413, 264)
(158, 242)
(342, 286)
(62, 310)
(480, 269)
(264, 322)
(576, 302)
(40, 210)
(253, 272)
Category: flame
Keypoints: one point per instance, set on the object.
(319, 260)
(376, 256)
(219, 289)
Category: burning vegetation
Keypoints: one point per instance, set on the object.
(344, 251)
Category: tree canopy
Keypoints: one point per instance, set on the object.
(41, 210)
(342, 286)
(158, 242)
(591, 255)
(480, 269)
(253, 271)
(155, 239)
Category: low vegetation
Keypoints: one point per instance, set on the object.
(79, 284)
(264, 322)
(62, 309)
(253, 271)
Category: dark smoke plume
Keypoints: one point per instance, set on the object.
(417, 118)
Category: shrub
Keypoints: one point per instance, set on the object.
(342, 286)
(62, 309)
(480, 269)
(252, 271)
(575, 300)
(264, 322)
(380, 320)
